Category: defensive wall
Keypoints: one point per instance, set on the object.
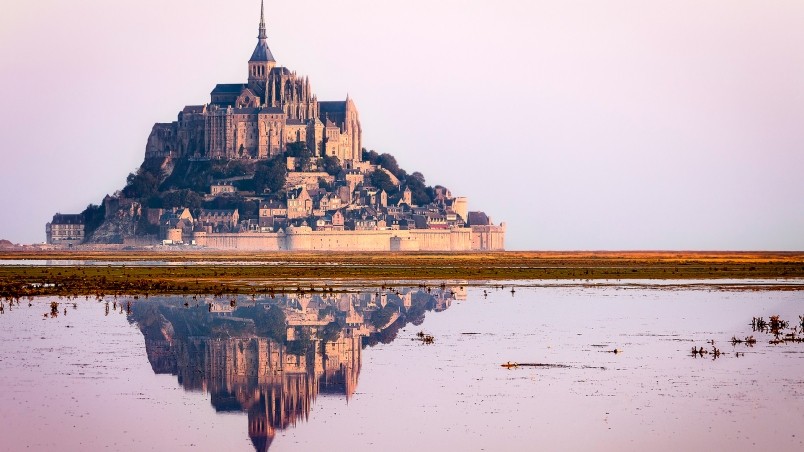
(485, 238)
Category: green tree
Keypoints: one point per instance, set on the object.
(380, 179)
(370, 156)
(388, 162)
(322, 183)
(381, 317)
(141, 185)
(332, 165)
(272, 323)
(181, 198)
(196, 176)
(93, 218)
(299, 151)
(419, 193)
(270, 176)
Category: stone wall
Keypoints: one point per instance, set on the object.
(262, 241)
(488, 238)
(308, 179)
(305, 239)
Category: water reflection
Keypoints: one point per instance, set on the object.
(272, 357)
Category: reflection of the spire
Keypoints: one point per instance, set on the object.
(272, 357)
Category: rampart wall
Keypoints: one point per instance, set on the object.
(305, 239)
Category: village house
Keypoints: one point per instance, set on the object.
(223, 220)
(65, 229)
(407, 197)
(221, 188)
(270, 211)
(329, 201)
(299, 203)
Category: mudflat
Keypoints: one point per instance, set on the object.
(92, 272)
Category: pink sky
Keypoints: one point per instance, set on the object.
(582, 124)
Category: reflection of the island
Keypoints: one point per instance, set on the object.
(271, 357)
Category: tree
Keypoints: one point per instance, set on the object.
(272, 323)
(388, 162)
(322, 183)
(299, 151)
(141, 185)
(332, 165)
(93, 218)
(270, 176)
(418, 176)
(380, 318)
(380, 179)
(196, 176)
(370, 156)
(419, 193)
(181, 198)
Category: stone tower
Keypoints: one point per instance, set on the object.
(262, 60)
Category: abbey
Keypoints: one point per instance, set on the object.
(265, 165)
(258, 119)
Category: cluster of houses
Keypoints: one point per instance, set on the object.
(310, 201)
(349, 204)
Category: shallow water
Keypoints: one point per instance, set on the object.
(168, 377)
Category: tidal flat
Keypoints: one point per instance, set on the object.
(514, 365)
(195, 272)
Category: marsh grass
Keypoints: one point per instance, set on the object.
(214, 273)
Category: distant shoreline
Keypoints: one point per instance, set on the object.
(196, 254)
(265, 273)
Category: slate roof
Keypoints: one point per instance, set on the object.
(281, 71)
(332, 106)
(60, 218)
(262, 52)
(295, 193)
(229, 88)
(419, 221)
(193, 109)
(478, 219)
(218, 212)
(273, 204)
(272, 110)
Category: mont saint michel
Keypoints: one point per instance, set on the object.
(266, 165)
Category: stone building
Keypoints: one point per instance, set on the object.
(299, 203)
(219, 219)
(221, 187)
(259, 118)
(65, 229)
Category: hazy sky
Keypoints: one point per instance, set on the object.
(590, 124)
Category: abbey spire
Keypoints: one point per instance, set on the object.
(262, 61)
(262, 34)
(262, 53)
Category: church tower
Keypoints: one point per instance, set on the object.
(262, 60)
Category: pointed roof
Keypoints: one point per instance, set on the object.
(262, 52)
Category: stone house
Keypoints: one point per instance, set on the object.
(299, 203)
(221, 187)
(328, 202)
(65, 229)
(219, 219)
(338, 221)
